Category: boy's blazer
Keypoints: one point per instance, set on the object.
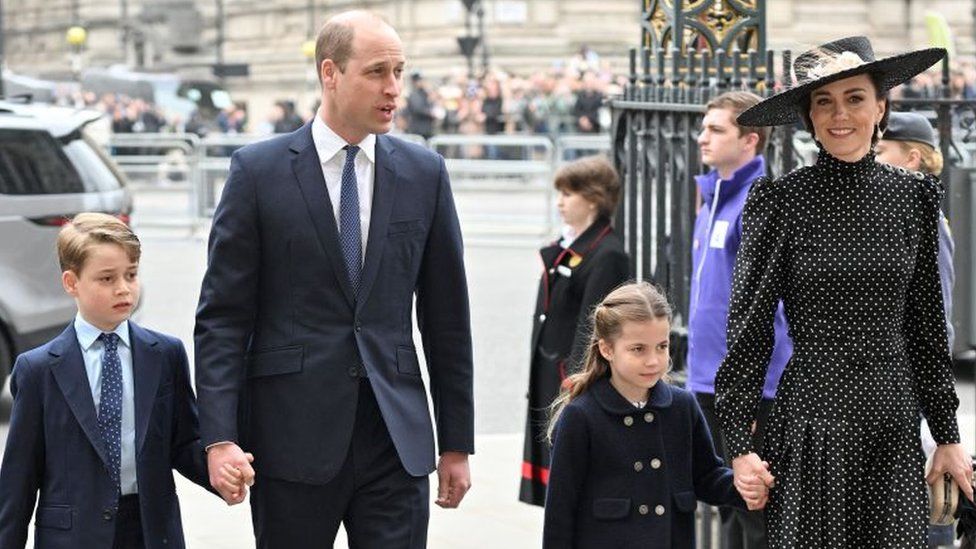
(281, 341)
(54, 447)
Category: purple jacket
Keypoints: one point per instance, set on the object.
(718, 233)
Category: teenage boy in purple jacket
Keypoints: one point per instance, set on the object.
(733, 153)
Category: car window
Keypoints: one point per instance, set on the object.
(93, 166)
(31, 162)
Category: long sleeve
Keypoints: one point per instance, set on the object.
(23, 459)
(444, 319)
(567, 473)
(947, 273)
(926, 340)
(713, 480)
(756, 290)
(227, 309)
(188, 454)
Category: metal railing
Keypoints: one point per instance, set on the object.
(487, 172)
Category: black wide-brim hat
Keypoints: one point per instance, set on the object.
(834, 61)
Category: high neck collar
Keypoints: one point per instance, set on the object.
(861, 169)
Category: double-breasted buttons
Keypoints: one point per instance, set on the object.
(659, 510)
(628, 421)
(643, 509)
(649, 417)
(638, 466)
(655, 463)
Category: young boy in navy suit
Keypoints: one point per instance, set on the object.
(101, 414)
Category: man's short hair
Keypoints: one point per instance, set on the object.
(88, 229)
(738, 102)
(334, 42)
(594, 178)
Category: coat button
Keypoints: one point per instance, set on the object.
(655, 463)
(165, 541)
(628, 421)
(353, 371)
(359, 327)
(659, 510)
(643, 509)
(542, 317)
(107, 514)
(649, 417)
(638, 466)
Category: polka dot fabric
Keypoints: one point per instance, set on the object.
(110, 403)
(851, 250)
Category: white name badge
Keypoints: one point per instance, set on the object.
(719, 232)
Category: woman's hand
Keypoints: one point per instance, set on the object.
(953, 459)
(753, 480)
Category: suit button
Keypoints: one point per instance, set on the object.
(353, 371)
(628, 421)
(107, 514)
(165, 541)
(643, 509)
(542, 317)
(655, 463)
(659, 510)
(649, 417)
(359, 327)
(638, 466)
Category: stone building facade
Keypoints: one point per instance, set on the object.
(523, 36)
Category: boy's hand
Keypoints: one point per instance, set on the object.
(230, 471)
(453, 479)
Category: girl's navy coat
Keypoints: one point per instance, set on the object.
(625, 477)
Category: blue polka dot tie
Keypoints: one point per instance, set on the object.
(110, 404)
(350, 237)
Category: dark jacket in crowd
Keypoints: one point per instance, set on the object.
(628, 477)
(574, 280)
(587, 105)
(420, 113)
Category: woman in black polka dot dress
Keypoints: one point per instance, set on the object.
(849, 245)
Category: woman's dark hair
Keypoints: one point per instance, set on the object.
(876, 80)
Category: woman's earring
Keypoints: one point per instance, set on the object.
(877, 131)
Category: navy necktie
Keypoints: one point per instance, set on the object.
(350, 237)
(110, 404)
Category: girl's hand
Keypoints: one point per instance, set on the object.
(953, 459)
(752, 480)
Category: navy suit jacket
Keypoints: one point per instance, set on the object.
(54, 447)
(282, 342)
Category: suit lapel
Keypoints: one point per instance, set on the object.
(147, 366)
(68, 367)
(384, 195)
(308, 171)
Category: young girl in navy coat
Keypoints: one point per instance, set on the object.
(631, 455)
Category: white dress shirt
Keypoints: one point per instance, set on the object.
(91, 351)
(329, 146)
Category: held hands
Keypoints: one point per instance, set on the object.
(952, 459)
(753, 480)
(453, 479)
(230, 471)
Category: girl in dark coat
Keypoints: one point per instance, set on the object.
(578, 271)
(631, 454)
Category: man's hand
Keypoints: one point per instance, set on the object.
(953, 459)
(230, 471)
(753, 480)
(453, 479)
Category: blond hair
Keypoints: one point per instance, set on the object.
(88, 229)
(930, 159)
(633, 302)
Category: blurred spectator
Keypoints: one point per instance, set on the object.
(420, 108)
(586, 110)
(286, 120)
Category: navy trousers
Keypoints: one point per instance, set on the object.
(128, 524)
(373, 496)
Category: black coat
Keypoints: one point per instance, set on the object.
(573, 282)
(627, 478)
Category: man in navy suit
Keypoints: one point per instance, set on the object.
(321, 242)
(101, 414)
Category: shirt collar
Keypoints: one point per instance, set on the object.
(88, 334)
(328, 143)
